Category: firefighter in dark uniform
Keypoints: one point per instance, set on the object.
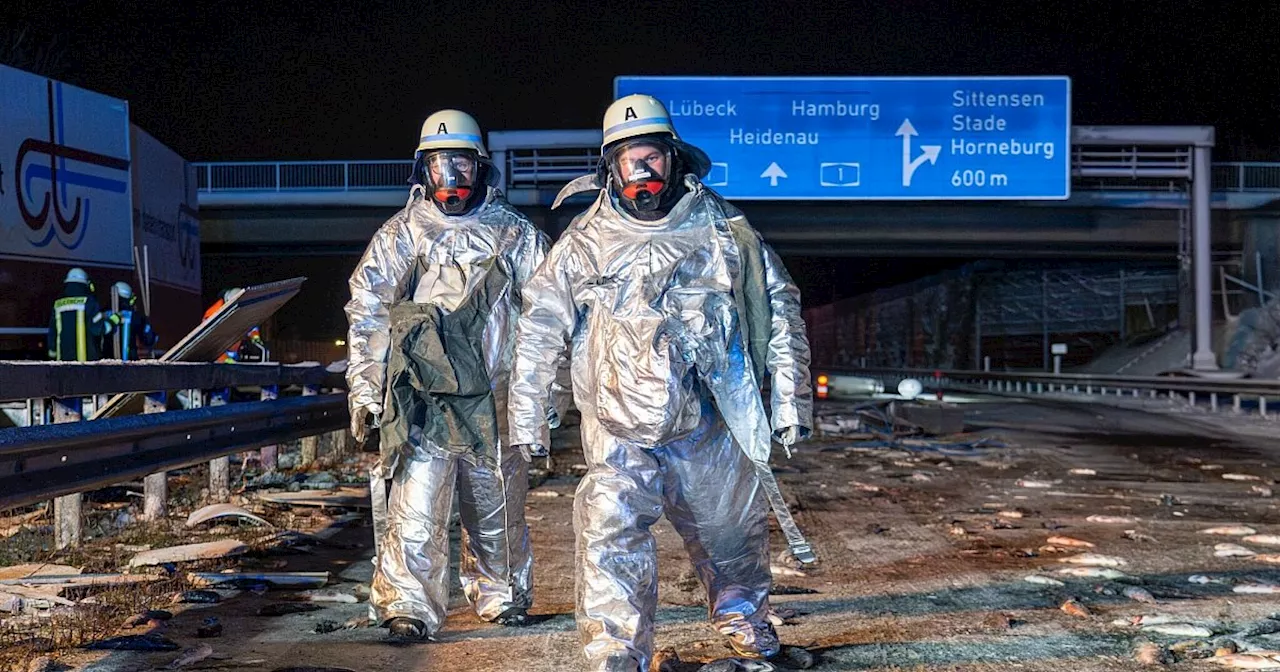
(134, 327)
(78, 324)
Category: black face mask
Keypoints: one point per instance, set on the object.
(642, 172)
(454, 179)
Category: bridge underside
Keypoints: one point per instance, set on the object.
(794, 229)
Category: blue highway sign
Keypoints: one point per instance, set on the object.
(874, 138)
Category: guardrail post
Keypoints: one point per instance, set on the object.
(1235, 403)
(155, 487)
(1213, 401)
(66, 509)
(219, 468)
(1262, 406)
(267, 454)
(310, 444)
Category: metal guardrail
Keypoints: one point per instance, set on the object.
(535, 167)
(47, 461)
(1191, 387)
(39, 460)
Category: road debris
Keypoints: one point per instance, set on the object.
(1230, 530)
(148, 642)
(1069, 542)
(203, 551)
(1134, 535)
(1095, 560)
(1241, 477)
(1148, 653)
(286, 608)
(1178, 630)
(216, 511)
(1075, 608)
(1253, 660)
(197, 597)
(1232, 551)
(191, 656)
(1094, 573)
(1139, 595)
(276, 579)
(1111, 520)
(1043, 580)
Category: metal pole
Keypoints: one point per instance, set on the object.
(977, 330)
(1257, 268)
(1044, 317)
(155, 487)
(67, 509)
(310, 444)
(1203, 358)
(1124, 313)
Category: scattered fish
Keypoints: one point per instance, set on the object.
(192, 655)
(326, 626)
(544, 493)
(1134, 535)
(1040, 485)
(148, 642)
(211, 628)
(1254, 660)
(1211, 467)
(146, 617)
(1148, 653)
(778, 570)
(1263, 539)
(1111, 520)
(1095, 560)
(1203, 580)
(957, 531)
(1139, 595)
(1232, 551)
(1069, 542)
(1193, 649)
(1075, 608)
(780, 589)
(1256, 589)
(330, 596)
(1262, 490)
(1241, 477)
(1010, 514)
(284, 608)
(1083, 472)
(1269, 558)
(1230, 530)
(1264, 627)
(1043, 580)
(1094, 573)
(1178, 630)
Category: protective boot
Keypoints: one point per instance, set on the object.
(515, 617)
(407, 629)
(751, 640)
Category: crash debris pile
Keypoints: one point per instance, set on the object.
(127, 586)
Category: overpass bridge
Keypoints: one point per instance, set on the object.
(1117, 210)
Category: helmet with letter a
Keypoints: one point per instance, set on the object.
(451, 162)
(642, 153)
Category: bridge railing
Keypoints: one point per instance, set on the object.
(534, 167)
(56, 452)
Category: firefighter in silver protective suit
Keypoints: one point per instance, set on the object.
(433, 310)
(676, 311)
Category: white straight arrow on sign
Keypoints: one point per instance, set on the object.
(906, 130)
(773, 172)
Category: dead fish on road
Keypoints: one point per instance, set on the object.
(1111, 520)
(1042, 580)
(283, 608)
(1230, 530)
(1257, 589)
(1075, 608)
(1069, 542)
(1254, 660)
(1139, 595)
(1095, 560)
(147, 642)
(1178, 630)
(1094, 573)
(1263, 539)
(1241, 477)
(1232, 551)
(1269, 558)
(194, 654)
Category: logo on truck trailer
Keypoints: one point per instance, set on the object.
(70, 222)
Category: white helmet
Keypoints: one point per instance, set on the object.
(638, 115)
(452, 129)
(123, 290)
(635, 115)
(77, 275)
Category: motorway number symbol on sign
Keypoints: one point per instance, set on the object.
(874, 138)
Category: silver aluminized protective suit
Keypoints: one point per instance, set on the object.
(660, 371)
(410, 579)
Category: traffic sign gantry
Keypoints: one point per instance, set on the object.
(874, 138)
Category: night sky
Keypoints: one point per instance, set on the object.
(246, 80)
(226, 80)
